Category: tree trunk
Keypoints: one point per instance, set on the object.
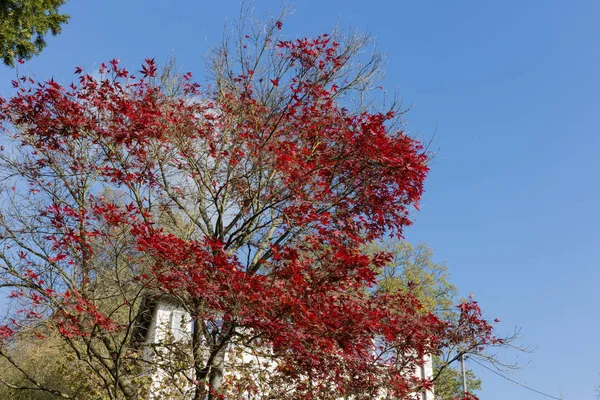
(199, 373)
(216, 373)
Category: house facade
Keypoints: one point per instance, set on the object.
(170, 324)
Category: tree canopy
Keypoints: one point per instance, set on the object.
(249, 200)
(25, 23)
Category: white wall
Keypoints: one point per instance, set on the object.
(172, 323)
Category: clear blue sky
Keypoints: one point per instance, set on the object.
(512, 201)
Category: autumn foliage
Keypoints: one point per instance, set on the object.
(250, 200)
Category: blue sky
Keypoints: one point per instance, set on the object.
(513, 87)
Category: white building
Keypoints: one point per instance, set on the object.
(170, 324)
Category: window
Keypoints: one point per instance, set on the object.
(180, 325)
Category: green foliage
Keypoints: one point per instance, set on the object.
(448, 385)
(413, 266)
(23, 25)
(413, 269)
(50, 364)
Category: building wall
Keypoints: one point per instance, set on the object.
(171, 323)
(426, 371)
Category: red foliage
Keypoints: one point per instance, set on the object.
(295, 190)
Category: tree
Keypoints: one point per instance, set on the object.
(448, 384)
(413, 270)
(47, 362)
(249, 201)
(23, 25)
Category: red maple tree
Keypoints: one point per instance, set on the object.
(248, 200)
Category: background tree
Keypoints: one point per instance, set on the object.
(276, 176)
(449, 383)
(50, 364)
(412, 269)
(23, 25)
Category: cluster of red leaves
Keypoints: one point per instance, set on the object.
(334, 180)
(78, 316)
